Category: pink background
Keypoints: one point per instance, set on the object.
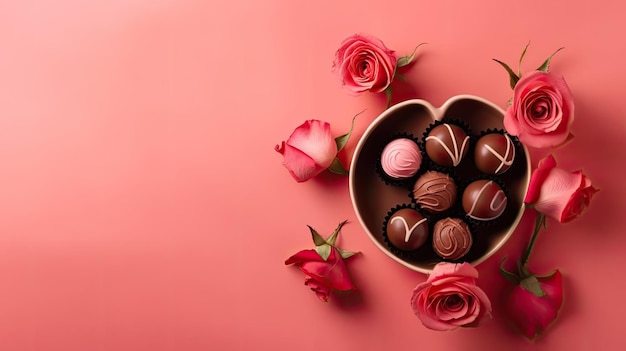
(142, 206)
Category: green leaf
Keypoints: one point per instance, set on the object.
(337, 168)
(347, 254)
(510, 277)
(531, 284)
(388, 93)
(342, 140)
(546, 64)
(323, 251)
(401, 77)
(317, 238)
(405, 60)
(332, 238)
(509, 102)
(519, 64)
(513, 78)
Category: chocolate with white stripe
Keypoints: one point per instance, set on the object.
(407, 229)
(494, 153)
(484, 200)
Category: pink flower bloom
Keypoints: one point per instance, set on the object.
(323, 276)
(542, 111)
(364, 63)
(309, 150)
(450, 298)
(532, 314)
(557, 193)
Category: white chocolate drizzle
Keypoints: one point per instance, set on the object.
(458, 153)
(408, 231)
(504, 159)
(496, 205)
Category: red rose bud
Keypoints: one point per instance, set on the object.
(557, 193)
(532, 314)
(323, 276)
(324, 267)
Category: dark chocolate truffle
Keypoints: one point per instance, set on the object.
(484, 200)
(434, 192)
(447, 144)
(452, 238)
(407, 229)
(494, 153)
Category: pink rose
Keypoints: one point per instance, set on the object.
(450, 298)
(557, 193)
(364, 63)
(323, 276)
(542, 111)
(532, 314)
(309, 150)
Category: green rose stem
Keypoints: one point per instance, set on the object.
(540, 222)
(523, 277)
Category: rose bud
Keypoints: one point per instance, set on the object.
(309, 150)
(323, 276)
(557, 193)
(324, 267)
(532, 314)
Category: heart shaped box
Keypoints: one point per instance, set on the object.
(372, 198)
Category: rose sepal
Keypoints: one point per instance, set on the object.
(336, 166)
(323, 247)
(406, 60)
(342, 140)
(525, 278)
(545, 66)
(531, 284)
(401, 62)
(515, 77)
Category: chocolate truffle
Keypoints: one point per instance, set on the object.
(407, 229)
(401, 158)
(484, 200)
(451, 238)
(434, 192)
(494, 153)
(447, 144)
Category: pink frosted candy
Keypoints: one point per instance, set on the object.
(401, 158)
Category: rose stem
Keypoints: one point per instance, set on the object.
(539, 222)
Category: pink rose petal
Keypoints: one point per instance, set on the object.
(315, 140)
